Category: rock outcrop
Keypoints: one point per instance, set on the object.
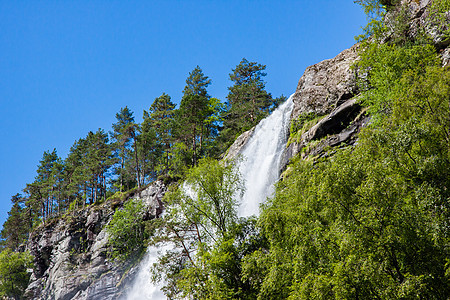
(71, 252)
(327, 89)
(238, 145)
(414, 16)
(326, 85)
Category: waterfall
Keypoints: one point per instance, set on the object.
(261, 156)
(143, 288)
(259, 166)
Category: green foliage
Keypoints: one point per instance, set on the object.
(375, 11)
(213, 190)
(439, 18)
(302, 124)
(389, 21)
(217, 274)
(200, 219)
(127, 231)
(14, 276)
(381, 68)
(85, 169)
(372, 222)
(160, 120)
(45, 194)
(248, 101)
(181, 158)
(207, 199)
(124, 138)
(19, 222)
(198, 118)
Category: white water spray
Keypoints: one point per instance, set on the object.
(261, 156)
(143, 287)
(259, 166)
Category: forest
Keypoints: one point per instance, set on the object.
(370, 221)
(163, 146)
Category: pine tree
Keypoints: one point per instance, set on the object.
(160, 119)
(75, 173)
(15, 229)
(193, 111)
(97, 161)
(124, 136)
(148, 154)
(248, 101)
(44, 189)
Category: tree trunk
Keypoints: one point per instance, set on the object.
(121, 168)
(167, 146)
(138, 171)
(194, 150)
(104, 187)
(95, 188)
(85, 194)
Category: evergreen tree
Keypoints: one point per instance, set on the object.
(124, 137)
(160, 118)
(75, 173)
(193, 112)
(149, 154)
(86, 167)
(248, 101)
(44, 190)
(196, 83)
(213, 123)
(97, 161)
(15, 228)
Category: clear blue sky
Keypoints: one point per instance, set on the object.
(67, 67)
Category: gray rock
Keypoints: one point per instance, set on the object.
(152, 198)
(340, 126)
(335, 122)
(326, 85)
(239, 144)
(327, 88)
(418, 12)
(445, 55)
(71, 253)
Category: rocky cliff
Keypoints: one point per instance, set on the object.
(326, 110)
(71, 260)
(328, 90)
(71, 253)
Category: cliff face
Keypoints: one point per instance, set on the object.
(328, 89)
(71, 253)
(326, 85)
(71, 259)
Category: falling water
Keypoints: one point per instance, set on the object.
(261, 158)
(259, 166)
(143, 288)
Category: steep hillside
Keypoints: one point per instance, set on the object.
(362, 210)
(71, 253)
